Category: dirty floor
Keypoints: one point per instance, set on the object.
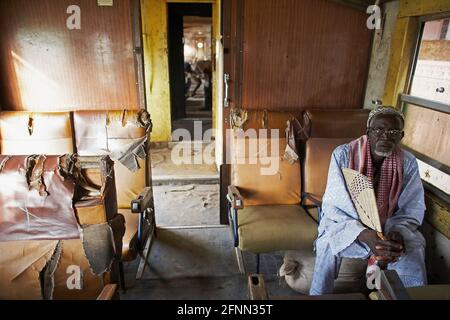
(193, 257)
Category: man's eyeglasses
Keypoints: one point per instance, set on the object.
(389, 133)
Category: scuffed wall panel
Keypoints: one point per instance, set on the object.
(381, 50)
(44, 66)
(301, 53)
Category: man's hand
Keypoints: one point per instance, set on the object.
(396, 237)
(384, 250)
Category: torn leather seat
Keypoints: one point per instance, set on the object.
(60, 234)
(124, 136)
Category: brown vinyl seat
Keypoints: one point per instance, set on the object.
(264, 196)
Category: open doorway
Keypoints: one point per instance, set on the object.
(185, 177)
(190, 67)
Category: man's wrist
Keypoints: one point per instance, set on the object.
(363, 235)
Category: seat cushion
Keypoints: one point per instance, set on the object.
(430, 292)
(21, 263)
(24, 133)
(129, 241)
(273, 228)
(298, 270)
(72, 254)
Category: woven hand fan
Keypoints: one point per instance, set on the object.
(363, 196)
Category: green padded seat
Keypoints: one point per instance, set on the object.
(276, 227)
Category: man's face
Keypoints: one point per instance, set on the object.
(385, 132)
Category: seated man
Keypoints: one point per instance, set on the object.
(400, 201)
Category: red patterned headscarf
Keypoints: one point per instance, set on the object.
(391, 176)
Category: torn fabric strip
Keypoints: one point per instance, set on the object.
(291, 153)
(99, 247)
(238, 117)
(35, 171)
(48, 274)
(128, 154)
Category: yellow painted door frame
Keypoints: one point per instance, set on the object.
(156, 63)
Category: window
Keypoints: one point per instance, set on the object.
(427, 107)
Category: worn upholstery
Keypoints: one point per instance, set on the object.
(36, 262)
(21, 262)
(104, 132)
(23, 133)
(262, 177)
(50, 214)
(72, 255)
(275, 227)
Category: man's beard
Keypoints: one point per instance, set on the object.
(383, 154)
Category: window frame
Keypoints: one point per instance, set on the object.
(419, 102)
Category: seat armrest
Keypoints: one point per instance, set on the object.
(108, 292)
(391, 287)
(235, 198)
(308, 196)
(257, 287)
(143, 201)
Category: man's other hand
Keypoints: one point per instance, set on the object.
(396, 237)
(384, 250)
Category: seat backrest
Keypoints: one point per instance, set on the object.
(328, 130)
(23, 133)
(265, 119)
(337, 123)
(105, 133)
(258, 168)
(265, 179)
